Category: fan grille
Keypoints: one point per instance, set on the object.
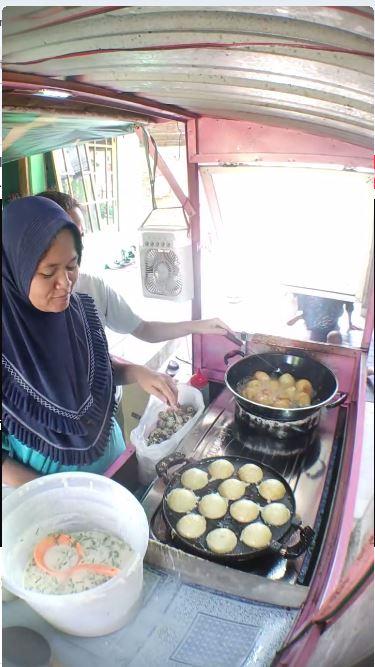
(163, 272)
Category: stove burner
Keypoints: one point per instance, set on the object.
(277, 429)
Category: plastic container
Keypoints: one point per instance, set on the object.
(72, 501)
(199, 381)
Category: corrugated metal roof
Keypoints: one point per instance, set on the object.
(305, 67)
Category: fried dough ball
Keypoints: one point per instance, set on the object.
(221, 469)
(282, 403)
(264, 398)
(261, 376)
(287, 380)
(221, 540)
(253, 384)
(213, 506)
(250, 473)
(250, 394)
(290, 392)
(273, 386)
(272, 489)
(305, 386)
(181, 500)
(283, 392)
(191, 526)
(194, 479)
(275, 514)
(244, 510)
(232, 489)
(256, 535)
(303, 400)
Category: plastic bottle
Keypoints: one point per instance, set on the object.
(200, 381)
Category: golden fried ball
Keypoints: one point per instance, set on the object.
(221, 540)
(221, 469)
(244, 510)
(250, 394)
(275, 514)
(232, 489)
(272, 489)
(181, 500)
(191, 526)
(290, 392)
(305, 386)
(213, 506)
(264, 398)
(250, 473)
(273, 385)
(303, 400)
(256, 535)
(287, 380)
(283, 403)
(253, 384)
(194, 479)
(261, 376)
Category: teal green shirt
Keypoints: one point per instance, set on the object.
(44, 465)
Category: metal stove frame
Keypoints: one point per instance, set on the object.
(217, 434)
(349, 366)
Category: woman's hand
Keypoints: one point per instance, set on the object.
(159, 384)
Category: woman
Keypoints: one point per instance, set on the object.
(58, 381)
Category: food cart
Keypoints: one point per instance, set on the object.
(270, 99)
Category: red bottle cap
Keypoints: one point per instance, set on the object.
(198, 380)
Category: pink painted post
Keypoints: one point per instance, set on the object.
(120, 461)
(369, 326)
(334, 608)
(332, 559)
(193, 186)
(350, 498)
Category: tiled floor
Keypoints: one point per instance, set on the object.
(175, 624)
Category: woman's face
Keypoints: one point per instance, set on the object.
(55, 276)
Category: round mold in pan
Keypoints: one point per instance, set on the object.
(241, 551)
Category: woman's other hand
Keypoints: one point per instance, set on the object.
(159, 384)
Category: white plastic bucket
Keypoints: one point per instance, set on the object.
(73, 501)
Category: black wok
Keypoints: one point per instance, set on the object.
(299, 365)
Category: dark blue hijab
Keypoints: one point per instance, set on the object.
(58, 393)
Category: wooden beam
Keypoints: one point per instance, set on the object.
(94, 94)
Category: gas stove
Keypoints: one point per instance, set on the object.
(309, 462)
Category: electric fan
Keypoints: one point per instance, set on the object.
(167, 264)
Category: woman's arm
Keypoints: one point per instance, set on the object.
(152, 382)
(16, 474)
(155, 332)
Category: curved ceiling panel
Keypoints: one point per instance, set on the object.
(309, 67)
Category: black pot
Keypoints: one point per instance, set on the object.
(280, 535)
(297, 364)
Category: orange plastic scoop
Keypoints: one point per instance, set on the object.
(51, 541)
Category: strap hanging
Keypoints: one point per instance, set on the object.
(152, 176)
(151, 173)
